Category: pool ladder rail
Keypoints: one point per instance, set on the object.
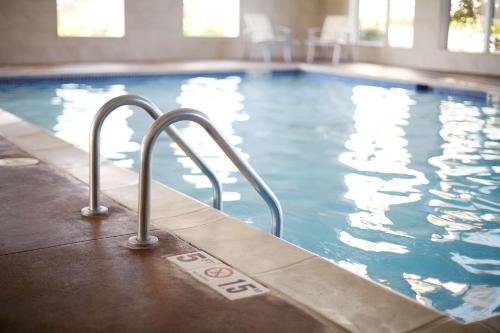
(165, 122)
(94, 208)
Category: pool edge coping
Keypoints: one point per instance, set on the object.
(185, 218)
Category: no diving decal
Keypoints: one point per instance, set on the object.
(218, 272)
(222, 278)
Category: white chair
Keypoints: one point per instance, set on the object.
(334, 33)
(260, 32)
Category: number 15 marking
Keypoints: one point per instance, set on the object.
(239, 288)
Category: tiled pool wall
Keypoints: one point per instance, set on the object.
(475, 95)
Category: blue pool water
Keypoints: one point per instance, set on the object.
(399, 186)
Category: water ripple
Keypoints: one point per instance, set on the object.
(365, 245)
(477, 266)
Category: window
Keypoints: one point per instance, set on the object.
(386, 22)
(90, 18)
(474, 26)
(211, 18)
(495, 28)
(401, 16)
(372, 19)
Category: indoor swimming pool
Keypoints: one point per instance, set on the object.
(395, 182)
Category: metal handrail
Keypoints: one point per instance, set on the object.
(94, 209)
(143, 238)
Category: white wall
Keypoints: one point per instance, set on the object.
(429, 50)
(153, 32)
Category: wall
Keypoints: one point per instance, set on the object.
(429, 50)
(334, 7)
(153, 33)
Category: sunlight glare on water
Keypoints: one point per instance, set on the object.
(223, 104)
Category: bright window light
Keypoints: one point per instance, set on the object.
(386, 22)
(211, 18)
(401, 16)
(495, 29)
(467, 22)
(90, 18)
(372, 20)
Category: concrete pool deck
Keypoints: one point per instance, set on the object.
(325, 296)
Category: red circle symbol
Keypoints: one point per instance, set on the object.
(218, 272)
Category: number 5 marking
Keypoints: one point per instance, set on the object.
(191, 257)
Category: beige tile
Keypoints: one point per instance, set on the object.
(80, 172)
(112, 176)
(40, 139)
(194, 219)
(126, 196)
(242, 246)
(63, 156)
(7, 118)
(12, 126)
(165, 202)
(349, 300)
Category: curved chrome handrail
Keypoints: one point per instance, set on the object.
(94, 209)
(143, 238)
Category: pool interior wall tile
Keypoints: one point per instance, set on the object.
(347, 299)
(387, 83)
(470, 94)
(408, 78)
(243, 246)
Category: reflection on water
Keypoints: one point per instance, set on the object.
(423, 286)
(346, 238)
(466, 174)
(462, 202)
(488, 238)
(221, 101)
(354, 267)
(79, 104)
(477, 266)
(463, 205)
(377, 153)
